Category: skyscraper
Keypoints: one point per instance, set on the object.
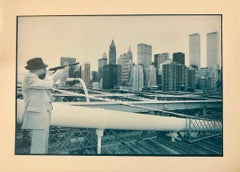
(158, 60)
(124, 67)
(129, 53)
(206, 79)
(213, 57)
(179, 57)
(151, 76)
(101, 63)
(112, 53)
(144, 52)
(66, 61)
(144, 58)
(174, 77)
(191, 79)
(110, 76)
(94, 76)
(137, 77)
(76, 71)
(212, 50)
(194, 49)
(86, 73)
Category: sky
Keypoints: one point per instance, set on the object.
(86, 38)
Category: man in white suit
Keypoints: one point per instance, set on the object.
(38, 103)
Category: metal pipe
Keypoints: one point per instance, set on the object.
(83, 85)
(82, 117)
(119, 102)
(99, 133)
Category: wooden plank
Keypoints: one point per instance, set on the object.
(119, 150)
(126, 151)
(141, 148)
(213, 143)
(210, 150)
(154, 148)
(131, 148)
(163, 148)
(146, 146)
(171, 145)
(106, 150)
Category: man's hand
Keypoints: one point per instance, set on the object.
(50, 72)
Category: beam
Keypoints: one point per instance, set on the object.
(83, 117)
(158, 105)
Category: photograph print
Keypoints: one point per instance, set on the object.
(115, 85)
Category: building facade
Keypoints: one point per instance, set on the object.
(66, 61)
(77, 71)
(144, 54)
(144, 58)
(110, 76)
(86, 73)
(191, 79)
(207, 78)
(213, 50)
(194, 49)
(112, 53)
(150, 76)
(125, 63)
(101, 63)
(158, 60)
(179, 58)
(137, 77)
(174, 77)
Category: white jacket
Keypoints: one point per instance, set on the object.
(38, 100)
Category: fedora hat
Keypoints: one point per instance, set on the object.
(35, 63)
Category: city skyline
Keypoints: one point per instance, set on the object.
(87, 38)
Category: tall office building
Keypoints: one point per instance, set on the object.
(213, 58)
(110, 76)
(179, 58)
(104, 55)
(82, 72)
(144, 53)
(194, 49)
(205, 79)
(158, 60)
(94, 76)
(129, 53)
(95, 84)
(213, 50)
(144, 58)
(191, 79)
(137, 77)
(164, 57)
(112, 53)
(77, 71)
(86, 73)
(101, 63)
(174, 77)
(66, 61)
(124, 67)
(150, 76)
